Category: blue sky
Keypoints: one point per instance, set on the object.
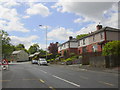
(22, 19)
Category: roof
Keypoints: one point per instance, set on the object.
(16, 52)
(103, 29)
(37, 53)
(32, 55)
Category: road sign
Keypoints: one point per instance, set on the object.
(4, 62)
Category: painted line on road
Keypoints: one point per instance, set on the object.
(5, 80)
(66, 81)
(106, 83)
(43, 71)
(52, 88)
(41, 80)
(29, 79)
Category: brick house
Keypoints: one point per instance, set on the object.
(53, 48)
(96, 40)
(70, 46)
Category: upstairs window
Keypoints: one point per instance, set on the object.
(83, 41)
(78, 43)
(93, 37)
(101, 35)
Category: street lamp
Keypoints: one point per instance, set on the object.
(46, 39)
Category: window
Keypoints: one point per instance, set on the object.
(101, 35)
(78, 43)
(93, 37)
(84, 49)
(95, 48)
(83, 41)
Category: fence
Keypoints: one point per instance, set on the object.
(86, 57)
(105, 61)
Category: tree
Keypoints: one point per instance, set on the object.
(111, 48)
(4, 37)
(34, 48)
(80, 36)
(7, 48)
(21, 47)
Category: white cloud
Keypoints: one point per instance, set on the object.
(9, 3)
(11, 19)
(93, 10)
(25, 17)
(60, 34)
(15, 40)
(82, 20)
(38, 9)
(112, 22)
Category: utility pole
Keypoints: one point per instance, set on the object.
(46, 38)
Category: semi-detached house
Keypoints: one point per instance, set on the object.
(70, 46)
(93, 42)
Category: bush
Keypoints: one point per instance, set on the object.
(111, 48)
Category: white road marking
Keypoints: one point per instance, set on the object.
(43, 71)
(42, 81)
(66, 81)
(106, 83)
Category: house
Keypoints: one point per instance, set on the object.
(53, 48)
(20, 55)
(96, 40)
(68, 47)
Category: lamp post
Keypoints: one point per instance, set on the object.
(46, 39)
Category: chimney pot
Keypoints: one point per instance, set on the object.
(99, 27)
(70, 38)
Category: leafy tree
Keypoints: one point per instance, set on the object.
(7, 48)
(80, 36)
(4, 37)
(21, 47)
(111, 48)
(34, 48)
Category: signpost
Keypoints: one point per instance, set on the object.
(4, 64)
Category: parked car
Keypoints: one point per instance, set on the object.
(34, 61)
(42, 61)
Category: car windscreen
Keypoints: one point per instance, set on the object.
(42, 60)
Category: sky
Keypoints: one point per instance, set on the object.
(61, 19)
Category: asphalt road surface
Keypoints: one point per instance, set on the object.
(27, 75)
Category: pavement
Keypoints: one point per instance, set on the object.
(88, 67)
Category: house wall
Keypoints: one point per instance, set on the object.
(112, 35)
(64, 46)
(22, 56)
(91, 42)
(99, 37)
(73, 44)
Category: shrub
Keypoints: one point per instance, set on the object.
(111, 48)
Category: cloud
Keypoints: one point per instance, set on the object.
(38, 9)
(25, 17)
(15, 40)
(59, 34)
(93, 10)
(10, 19)
(82, 20)
(9, 3)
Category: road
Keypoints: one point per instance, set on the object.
(27, 75)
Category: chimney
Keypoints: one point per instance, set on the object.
(70, 37)
(99, 27)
